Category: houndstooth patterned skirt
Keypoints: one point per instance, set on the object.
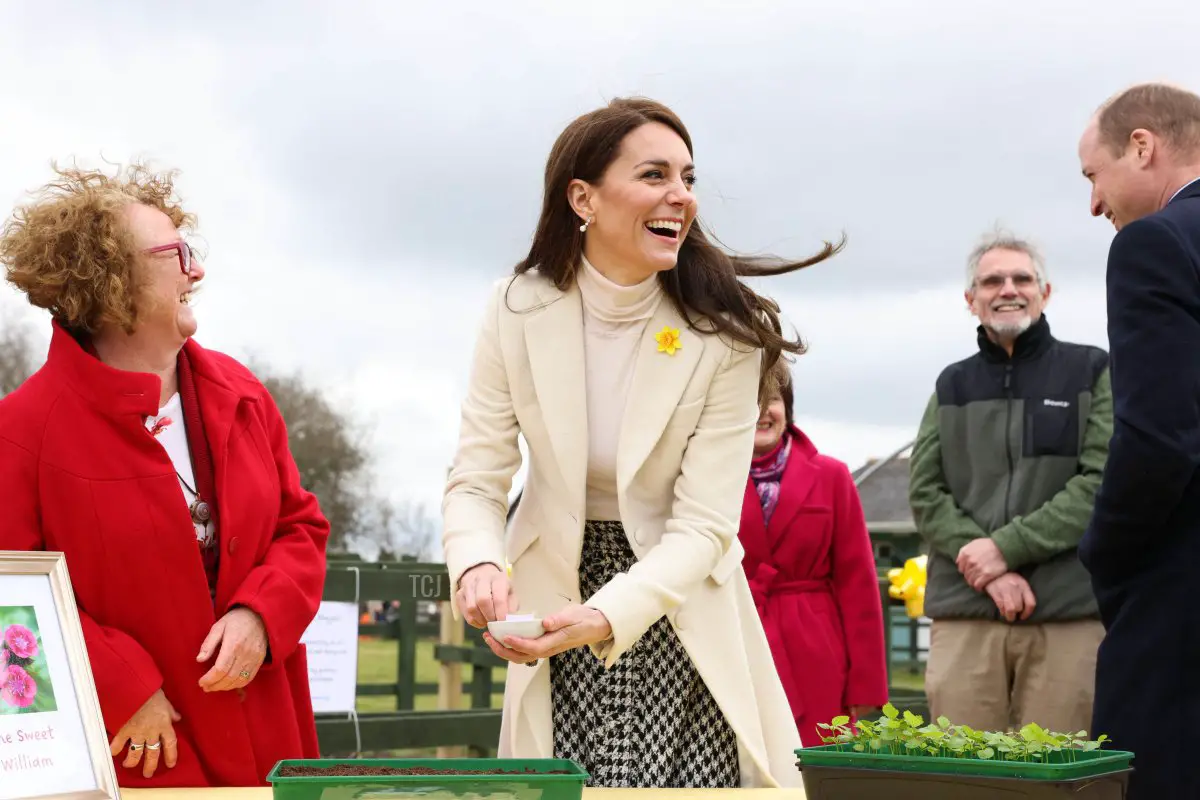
(649, 721)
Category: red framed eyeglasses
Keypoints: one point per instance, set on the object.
(182, 249)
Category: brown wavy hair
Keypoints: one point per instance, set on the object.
(781, 375)
(70, 252)
(704, 285)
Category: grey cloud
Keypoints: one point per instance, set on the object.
(408, 134)
(803, 131)
(407, 138)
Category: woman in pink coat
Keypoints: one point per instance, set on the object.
(812, 573)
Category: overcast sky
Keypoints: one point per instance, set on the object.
(363, 170)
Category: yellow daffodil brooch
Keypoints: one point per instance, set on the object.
(668, 340)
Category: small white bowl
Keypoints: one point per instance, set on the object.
(526, 628)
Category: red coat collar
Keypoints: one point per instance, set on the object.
(801, 444)
(117, 392)
(799, 477)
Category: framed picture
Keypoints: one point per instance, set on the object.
(52, 739)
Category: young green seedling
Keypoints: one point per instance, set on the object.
(907, 734)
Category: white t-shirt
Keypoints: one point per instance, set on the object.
(169, 429)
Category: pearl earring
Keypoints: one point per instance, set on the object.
(583, 228)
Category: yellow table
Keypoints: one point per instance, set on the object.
(257, 793)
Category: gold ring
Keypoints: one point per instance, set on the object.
(244, 673)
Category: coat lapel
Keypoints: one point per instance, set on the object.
(554, 341)
(799, 478)
(753, 530)
(219, 403)
(658, 382)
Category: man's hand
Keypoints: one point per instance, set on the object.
(1012, 595)
(240, 638)
(980, 562)
(574, 626)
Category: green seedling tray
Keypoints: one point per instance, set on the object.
(539, 784)
(1087, 764)
(842, 783)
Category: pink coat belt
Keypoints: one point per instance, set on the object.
(768, 581)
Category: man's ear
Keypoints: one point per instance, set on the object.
(1143, 144)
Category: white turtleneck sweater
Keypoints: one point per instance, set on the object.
(614, 321)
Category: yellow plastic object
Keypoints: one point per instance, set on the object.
(908, 584)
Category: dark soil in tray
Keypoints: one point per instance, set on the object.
(356, 770)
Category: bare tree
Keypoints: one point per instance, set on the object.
(329, 450)
(18, 359)
(390, 529)
(415, 531)
(336, 465)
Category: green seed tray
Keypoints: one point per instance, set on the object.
(540, 784)
(1086, 764)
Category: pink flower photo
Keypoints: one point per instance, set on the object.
(19, 688)
(21, 641)
(25, 686)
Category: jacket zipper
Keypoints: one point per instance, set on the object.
(1008, 438)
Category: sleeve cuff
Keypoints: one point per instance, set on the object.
(627, 620)
(1008, 542)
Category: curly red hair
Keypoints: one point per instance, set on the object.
(70, 252)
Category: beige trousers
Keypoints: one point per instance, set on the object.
(994, 676)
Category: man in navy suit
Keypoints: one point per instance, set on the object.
(1141, 152)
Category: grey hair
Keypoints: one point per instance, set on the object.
(1003, 240)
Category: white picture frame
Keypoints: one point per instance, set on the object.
(53, 745)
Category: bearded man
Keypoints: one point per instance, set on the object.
(1004, 470)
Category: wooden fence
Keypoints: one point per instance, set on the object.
(451, 728)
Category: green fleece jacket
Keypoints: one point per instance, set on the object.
(1013, 448)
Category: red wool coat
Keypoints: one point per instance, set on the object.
(81, 474)
(812, 573)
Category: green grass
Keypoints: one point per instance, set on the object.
(377, 661)
(902, 678)
(377, 664)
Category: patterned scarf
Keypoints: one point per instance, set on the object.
(766, 472)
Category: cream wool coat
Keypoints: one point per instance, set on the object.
(683, 456)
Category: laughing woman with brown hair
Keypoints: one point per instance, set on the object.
(631, 357)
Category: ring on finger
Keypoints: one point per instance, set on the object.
(244, 674)
(155, 746)
(135, 747)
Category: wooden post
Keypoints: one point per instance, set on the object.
(449, 675)
(887, 625)
(406, 666)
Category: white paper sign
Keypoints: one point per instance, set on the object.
(43, 744)
(332, 642)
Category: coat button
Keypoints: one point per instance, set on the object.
(233, 545)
